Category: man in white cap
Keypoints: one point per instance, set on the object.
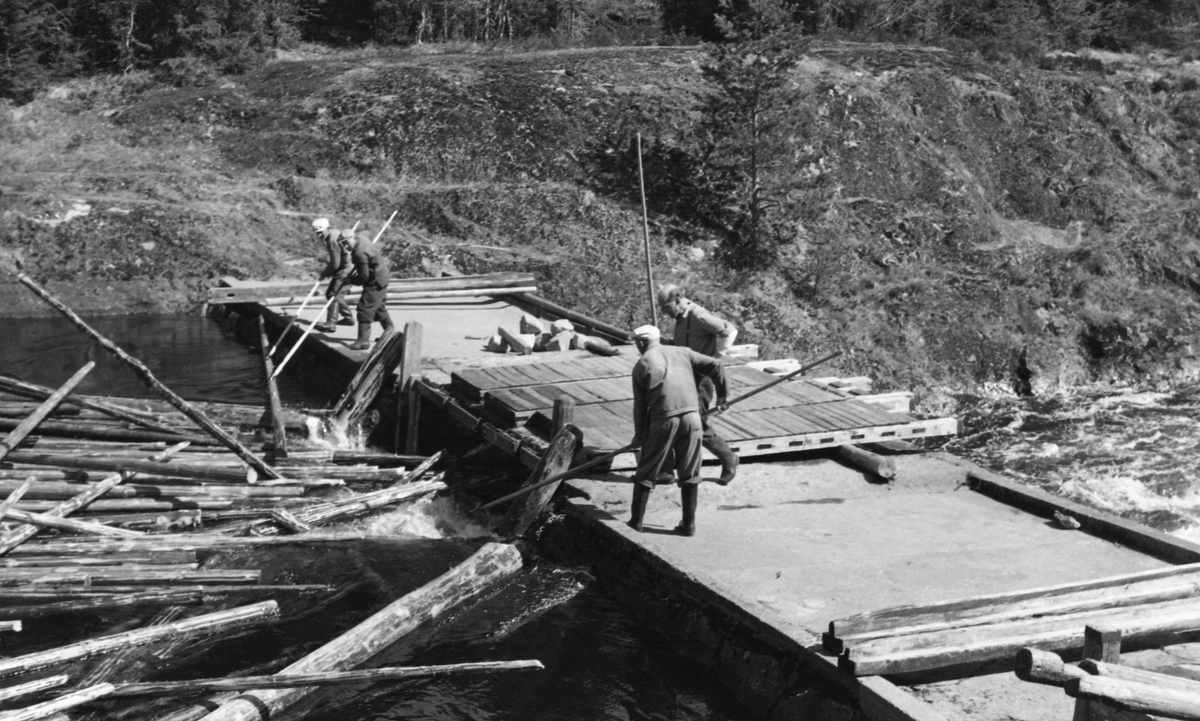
(666, 421)
(337, 269)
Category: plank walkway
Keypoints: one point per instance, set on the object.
(796, 415)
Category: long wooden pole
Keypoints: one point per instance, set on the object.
(307, 330)
(385, 227)
(775, 382)
(307, 299)
(329, 678)
(559, 476)
(189, 410)
(37, 392)
(14, 438)
(1139, 697)
(257, 613)
(489, 564)
(69, 524)
(130, 465)
(646, 234)
(274, 404)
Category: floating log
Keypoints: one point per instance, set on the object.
(253, 614)
(59, 490)
(15, 495)
(37, 392)
(381, 460)
(274, 405)
(289, 521)
(1044, 667)
(524, 511)
(873, 463)
(99, 430)
(94, 545)
(62, 703)
(68, 524)
(982, 643)
(265, 293)
(189, 410)
(27, 531)
(164, 520)
(108, 602)
(133, 577)
(1135, 696)
(364, 388)
(143, 505)
(12, 625)
(10, 409)
(31, 687)
(367, 502)
(110, 559)
(489, 564)
(25, 427)
(329, 678)
(130, 465)
(420, 470)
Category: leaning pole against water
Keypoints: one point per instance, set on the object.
(491, 563)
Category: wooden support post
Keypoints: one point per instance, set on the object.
(245, 615)
(408, 412)
(189, 410)
(26, 426)
(328, 678)
(1100, 643)
(274, 405)
(489, 564)
(364, 388)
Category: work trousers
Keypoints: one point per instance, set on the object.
(372, 306)
(675, 441)
(339, 308)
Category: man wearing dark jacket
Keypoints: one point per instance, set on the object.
(666, 421)
(337, 268)
(371, 272)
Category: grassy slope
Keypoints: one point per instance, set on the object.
(957, 216)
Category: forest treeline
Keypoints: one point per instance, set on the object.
(193, 41)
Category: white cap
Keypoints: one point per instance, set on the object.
(647, 332)
(320, 224)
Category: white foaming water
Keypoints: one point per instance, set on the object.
(1129, 452)
(430, 517)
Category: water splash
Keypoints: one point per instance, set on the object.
(429, 517)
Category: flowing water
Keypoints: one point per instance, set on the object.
(600, 663)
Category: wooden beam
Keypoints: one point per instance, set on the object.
(409, 395)
(37, 392)
(592, 325)
(396, 296)
(491, 563)
(25, 427)
(274, 404)
(558, 458)
(515, 341)
(367, 383)
(189, 410)
(259, 292)
(1140, 697)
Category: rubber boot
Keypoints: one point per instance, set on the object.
(689, 495)
(729, 460)
(324, 327)
(364, 337)
(637, 507)
(386, 322)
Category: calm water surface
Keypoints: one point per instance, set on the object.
(600, 663)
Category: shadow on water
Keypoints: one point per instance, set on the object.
(600, 662)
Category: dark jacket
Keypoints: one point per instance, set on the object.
(370, 267)
(664, 384)
(702, 331)
(337, 247)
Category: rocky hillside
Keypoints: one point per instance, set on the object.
(961, 222)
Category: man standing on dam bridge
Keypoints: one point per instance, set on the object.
(704, 333)
(666, 421)
(371, 272)
(337, 268)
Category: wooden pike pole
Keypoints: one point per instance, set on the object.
(772, 384)
(189, 410)
(257, 613)
(14, 438)
(559, 476)
(646, 234)
(309, 329)
(489, 564)
(329, 678)
(294, 318)
(274, 404)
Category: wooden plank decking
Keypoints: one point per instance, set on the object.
(796, 415)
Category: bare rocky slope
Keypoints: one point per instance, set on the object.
(963, 222)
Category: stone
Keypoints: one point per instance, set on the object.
(561, 325)
(560, 342)
(540, 340)
(531, 325)
(496, 344)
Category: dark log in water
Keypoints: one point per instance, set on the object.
(274, 405)
(105, 430)
(37, 392)
(10, 409)
(130, 465)
(59, 490)
(103, 603)
(68, 524)
(189, 410)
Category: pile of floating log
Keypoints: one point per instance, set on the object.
(89, 521)
(970, 630)
(1104, 688)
